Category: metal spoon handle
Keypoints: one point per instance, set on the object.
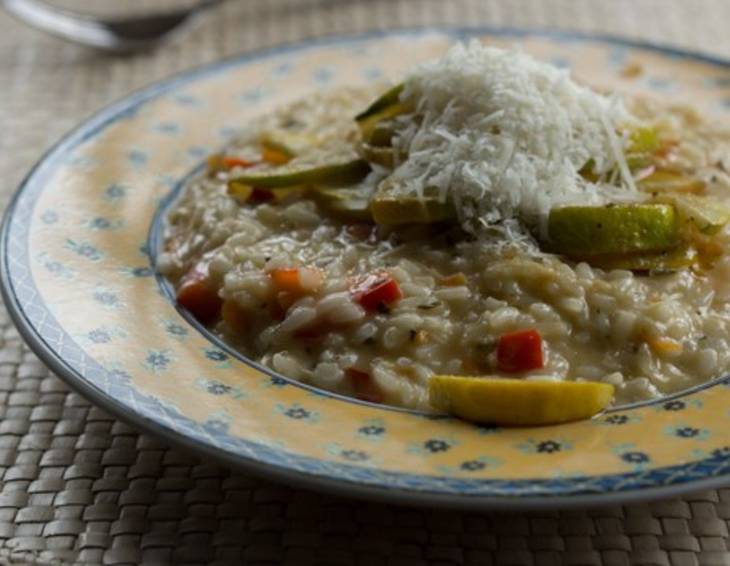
(119, 34)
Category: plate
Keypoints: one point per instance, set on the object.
(78, 251)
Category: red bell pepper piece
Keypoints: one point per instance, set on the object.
(376, 291)
(230, 162)
(259, 195)
(362, 383)
(520, 351)
(360, 230)
(198, 296)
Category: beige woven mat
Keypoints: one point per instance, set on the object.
(79, 487)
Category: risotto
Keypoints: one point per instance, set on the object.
(485, 217)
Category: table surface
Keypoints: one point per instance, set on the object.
(79, 487)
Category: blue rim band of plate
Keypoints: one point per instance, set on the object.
(19, 290)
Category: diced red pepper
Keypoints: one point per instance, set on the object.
(218, 162)
(520, 351)
(376, 291)
(360, 230)
(197, 295)
(363, 385)
(259, 195)
(230, 162)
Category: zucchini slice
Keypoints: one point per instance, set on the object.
(288, 143)
(643, 144)
(666, 261)
(369, 125)
(388, 98)
(391, 208)
(338, 168)
(383, 156)
(349, 204)
(586, 231)
(702, 213)
(670, 181)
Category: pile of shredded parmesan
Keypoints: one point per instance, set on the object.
(504, 137)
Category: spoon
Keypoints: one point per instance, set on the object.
(117, 35)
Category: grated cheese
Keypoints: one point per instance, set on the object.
(504, 136)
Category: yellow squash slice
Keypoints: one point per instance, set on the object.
(518, 402)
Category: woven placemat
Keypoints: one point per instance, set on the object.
(79, 487)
